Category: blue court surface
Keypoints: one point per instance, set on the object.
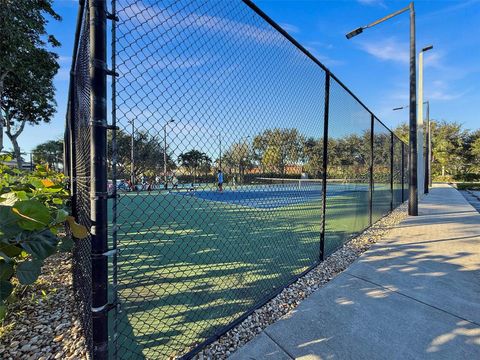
(274, 196)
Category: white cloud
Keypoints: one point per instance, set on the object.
(290, 28)
(373, 3)
(388, 49)
(136, 15)
(440, 90)
(326, 60)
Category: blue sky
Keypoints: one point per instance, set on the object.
(374, 65)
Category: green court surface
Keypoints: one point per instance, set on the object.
(188, 266)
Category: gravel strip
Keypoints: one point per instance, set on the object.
(44, 324)
(291, 296)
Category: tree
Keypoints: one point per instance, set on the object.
(448, 141)
(194, 159)
(27, 68)
(239, 157)
(148, 154)
(450, 149)
(50, 152)
(276, 148)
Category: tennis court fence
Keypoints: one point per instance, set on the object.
(215, 160)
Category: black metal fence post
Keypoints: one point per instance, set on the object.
(72, 158)
(370, 192)
(391, 171)
(325, 161)
(403, 172)
(98, 190)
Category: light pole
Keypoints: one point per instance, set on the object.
(220, 158)
(427, 178)
(423, 174)
(428, 158)
(413, 194)
(132, 153)
(165, 152)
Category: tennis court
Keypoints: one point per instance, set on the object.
(192, 261)
(273, 193)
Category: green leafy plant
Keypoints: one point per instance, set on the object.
(33, 209)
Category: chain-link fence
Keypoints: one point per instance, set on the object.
(78, 167)
(236, 162)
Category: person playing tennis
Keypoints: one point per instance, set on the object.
(220, 180)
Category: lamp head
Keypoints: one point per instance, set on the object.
(354, 33)
(426, 48)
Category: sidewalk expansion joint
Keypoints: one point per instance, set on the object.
(280, 346)
(412, 298)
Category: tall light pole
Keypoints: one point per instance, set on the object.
(428, 158)
(165, 152)
(220, 144)
(423, 176)
(427, 177)
(132, 153)
(413, 194)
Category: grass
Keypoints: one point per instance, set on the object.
(188, 266)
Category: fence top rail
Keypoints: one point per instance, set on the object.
(289, 37)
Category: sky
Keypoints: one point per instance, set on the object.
(374, 65)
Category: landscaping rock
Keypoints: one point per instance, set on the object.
(43, 324)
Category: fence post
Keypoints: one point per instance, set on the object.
(326, 109)
(72, 158)
(403, 172)
(98, 181)
(391, 171)
(370, 193)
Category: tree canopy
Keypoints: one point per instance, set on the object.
(49, 152)
(148, 154)
(27, 67)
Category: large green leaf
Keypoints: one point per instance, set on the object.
(33, 214)
(9, 250)
(8, 223)
(6, 270)
(22, 195)
(61, 216)
(66, 244)
(36, 183)
(40, 245)
(6, 289)
(29, 271)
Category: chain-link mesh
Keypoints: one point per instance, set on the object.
(80, 173)
(382, 192)
(348, 174)
(202, 80)
(406, 150)
(397, 172)
(218, 163)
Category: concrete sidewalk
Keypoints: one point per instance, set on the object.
(414, 295)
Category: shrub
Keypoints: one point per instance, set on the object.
(33, 209)
(467, 177)
(468, 186)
